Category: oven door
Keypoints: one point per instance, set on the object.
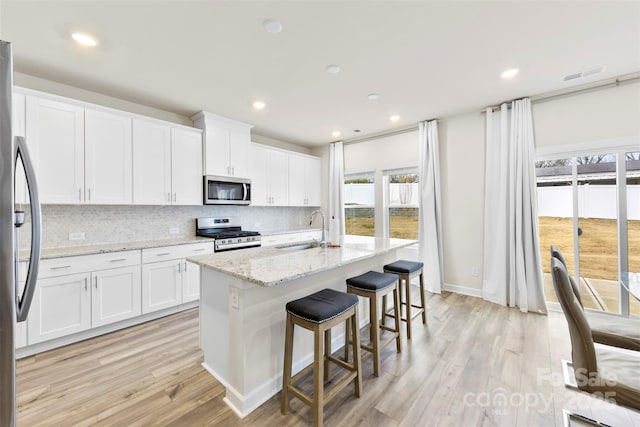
(224, 190)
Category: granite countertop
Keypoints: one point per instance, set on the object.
(66, 251)
(269, 266)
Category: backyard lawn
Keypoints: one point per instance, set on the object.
(598, 251)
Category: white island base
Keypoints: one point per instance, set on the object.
(242, 324)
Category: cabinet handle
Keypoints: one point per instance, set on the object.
(79, 194)
(118, 260)
(199, 250)
(233, 171)
(89, 194)
(164, 254)
(174, 197)
(180, 267)
(96, 282)
(85, 283)
(61, 267)
(168, 197)
(185, 266)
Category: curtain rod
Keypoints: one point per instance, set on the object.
(588, 87)
(617, 81)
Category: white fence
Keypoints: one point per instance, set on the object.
(594, 201)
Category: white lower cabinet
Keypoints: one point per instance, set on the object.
(168, 279)
(61, 306)
(161, 285)
(115, 295)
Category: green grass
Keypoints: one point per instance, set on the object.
(402, 227)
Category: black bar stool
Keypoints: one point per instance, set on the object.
(406, 270)
(372, 285)
(319, 312)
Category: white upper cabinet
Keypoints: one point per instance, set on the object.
(226, 145)
(304, 180)
(186, 166)
(269, 176)
(19, 129)
(167, 165)
(108, 164)
(55, 137)
(151, 163)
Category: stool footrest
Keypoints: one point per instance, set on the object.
(300, 395)
(340, 362)
(339, 386)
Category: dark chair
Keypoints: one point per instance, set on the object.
(608, 372)
(609, 330)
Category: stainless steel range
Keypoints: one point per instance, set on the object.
(227, 236)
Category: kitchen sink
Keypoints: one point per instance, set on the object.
(298, 246)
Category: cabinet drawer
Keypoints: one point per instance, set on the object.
(79, 264)
(165, 253)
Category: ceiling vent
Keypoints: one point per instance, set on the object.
(584, 73)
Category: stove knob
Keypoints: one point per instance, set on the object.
(239, 240)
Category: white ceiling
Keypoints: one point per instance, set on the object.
(426, 59)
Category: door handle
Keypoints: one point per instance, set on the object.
(23, 305)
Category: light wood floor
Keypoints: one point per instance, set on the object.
(458, 370)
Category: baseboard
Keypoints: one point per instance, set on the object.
(463, 290)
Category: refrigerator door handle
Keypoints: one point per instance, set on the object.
(23, 305)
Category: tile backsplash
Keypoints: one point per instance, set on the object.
(116, 224)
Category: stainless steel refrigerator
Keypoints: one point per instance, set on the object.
(14, 300)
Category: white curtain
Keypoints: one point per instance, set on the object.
(336, 191)
(512, 266)
(430, 224)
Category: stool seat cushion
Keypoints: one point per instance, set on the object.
(372, 281)
(322, 306)
(404, 267)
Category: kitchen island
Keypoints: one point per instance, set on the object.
(242, 308)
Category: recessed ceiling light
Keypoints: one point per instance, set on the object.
(259, 105)
(84, 39)
(511, 72)
(394, 118)
(373, 96)
(272, 26)
(357, 130)
(336, 133)
(333, 69)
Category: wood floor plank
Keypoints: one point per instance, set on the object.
(449, 374)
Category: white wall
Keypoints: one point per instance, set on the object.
(600, 115)
(462, 189)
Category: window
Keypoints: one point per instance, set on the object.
(359, 204)
(403, 194)
(581, 204)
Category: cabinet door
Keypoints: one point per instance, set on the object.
(239, 142)
(108, 167)
(61, 306)
(217, 151)
(18, 119)
(312, 181)
(116, 295)
(279, 178)
(161, 285)
(258, 159)
(190, 282)
(21, 328)
(297, 193)
(186, 167)
(151, 163)
(55, 136)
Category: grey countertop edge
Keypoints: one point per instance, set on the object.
(101, 248)
(196, 260)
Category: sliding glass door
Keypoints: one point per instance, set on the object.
(588, 208)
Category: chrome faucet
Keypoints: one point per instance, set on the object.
(323, 242)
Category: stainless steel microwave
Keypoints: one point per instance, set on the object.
(226, 190)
